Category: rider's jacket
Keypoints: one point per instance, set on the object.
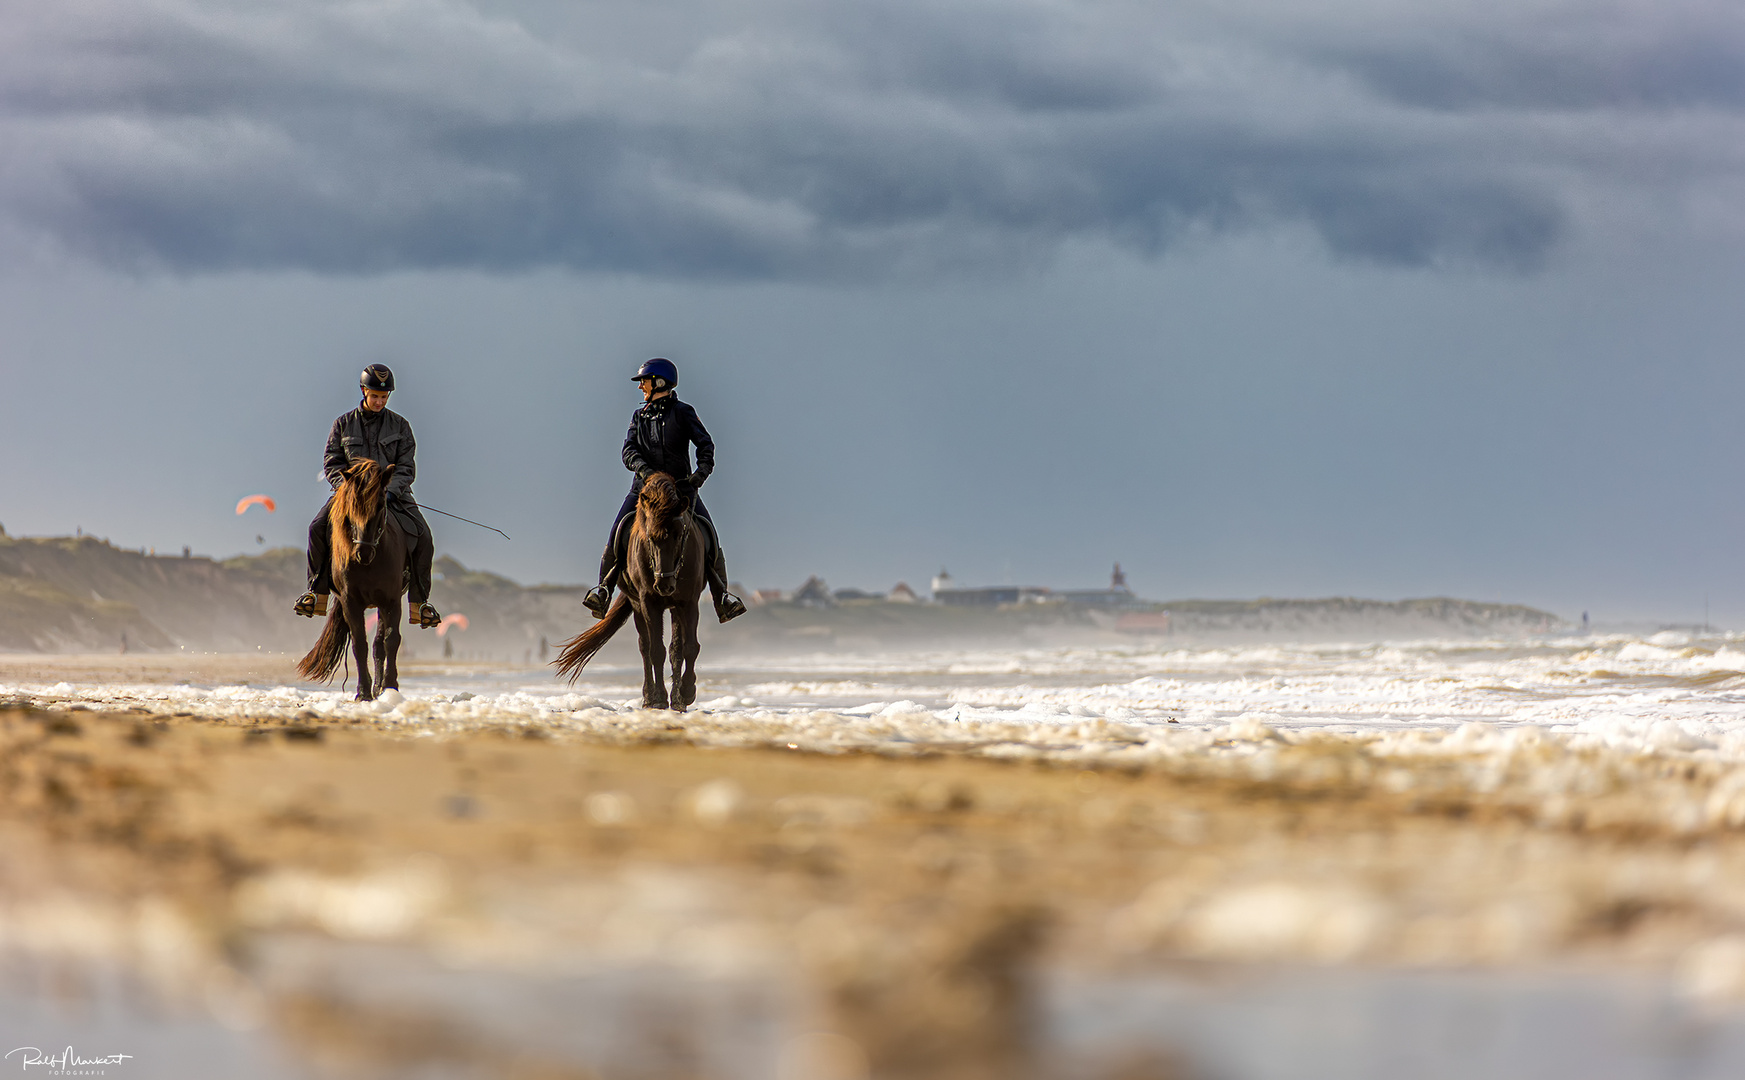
(385, 437)
(660, 438)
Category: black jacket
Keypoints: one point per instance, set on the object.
(389, 442)
(660, 438)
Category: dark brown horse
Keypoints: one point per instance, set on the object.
(663, 571)
(369, 571)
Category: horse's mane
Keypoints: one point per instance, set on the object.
(660, 505)
(353, 502)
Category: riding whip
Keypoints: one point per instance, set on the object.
(469, 521)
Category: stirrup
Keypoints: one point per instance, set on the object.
(728, 606)
(311, 604)
(427, 617)
(599, 598)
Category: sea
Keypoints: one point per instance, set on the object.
(1664, 692)
(1557, 710)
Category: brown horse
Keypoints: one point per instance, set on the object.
(369, 571)
(663, 570)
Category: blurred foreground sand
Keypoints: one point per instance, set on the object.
(914, 896)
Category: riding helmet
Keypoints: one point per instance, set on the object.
(663, 371)
(377, 377)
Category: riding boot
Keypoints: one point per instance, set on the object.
(599, 597)
(418, 573)
(320, 566)
(727, 606)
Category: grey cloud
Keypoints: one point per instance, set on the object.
(1691, 71)
(791, 141)
(1679, 54)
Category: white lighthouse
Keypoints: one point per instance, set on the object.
(941, 580)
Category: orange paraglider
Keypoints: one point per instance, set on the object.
(457, 619)
(264, 500)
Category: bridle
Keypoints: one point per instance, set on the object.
(684, 532)
(681, 529)
(364, 547)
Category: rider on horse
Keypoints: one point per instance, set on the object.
(660, 438)
(373, 431)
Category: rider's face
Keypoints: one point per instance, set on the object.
(649, 393)
(375, 400)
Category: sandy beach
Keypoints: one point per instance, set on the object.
(339, 890)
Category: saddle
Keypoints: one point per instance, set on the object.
(621, 538)
(413, 527)
(407, 517)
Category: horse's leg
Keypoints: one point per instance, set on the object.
(675, 655)
(648, 637)
(390, 619)
(381, 649)
(360, 644)
(657, 656)
(687, 614)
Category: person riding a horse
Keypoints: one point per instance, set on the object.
(661, 434)
(373, 431)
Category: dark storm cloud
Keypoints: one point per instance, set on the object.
(791, 139)
(1687, 56)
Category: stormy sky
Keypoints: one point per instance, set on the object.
(1257, 297)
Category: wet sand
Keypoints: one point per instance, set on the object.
(879, 915)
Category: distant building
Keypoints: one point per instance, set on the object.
(856, 594)
(989, 597)
(814, 593)
(1116, 595)
(993, 596)
(941, 581)
(901, 594)
(766, 596)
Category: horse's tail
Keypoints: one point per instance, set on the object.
(324, 659)
(577, 651)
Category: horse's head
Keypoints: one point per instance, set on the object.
(360, 511)
(660, 516)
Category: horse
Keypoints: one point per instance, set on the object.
(663, 571)
(369, 571)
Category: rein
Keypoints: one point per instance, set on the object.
(684, 523)
(364, 544)
(365, 540)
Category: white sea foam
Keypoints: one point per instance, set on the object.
(1669, 694)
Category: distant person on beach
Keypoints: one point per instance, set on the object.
(373, 431)
(661, 434)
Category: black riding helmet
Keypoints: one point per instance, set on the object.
(664, 372)
(377, 377)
